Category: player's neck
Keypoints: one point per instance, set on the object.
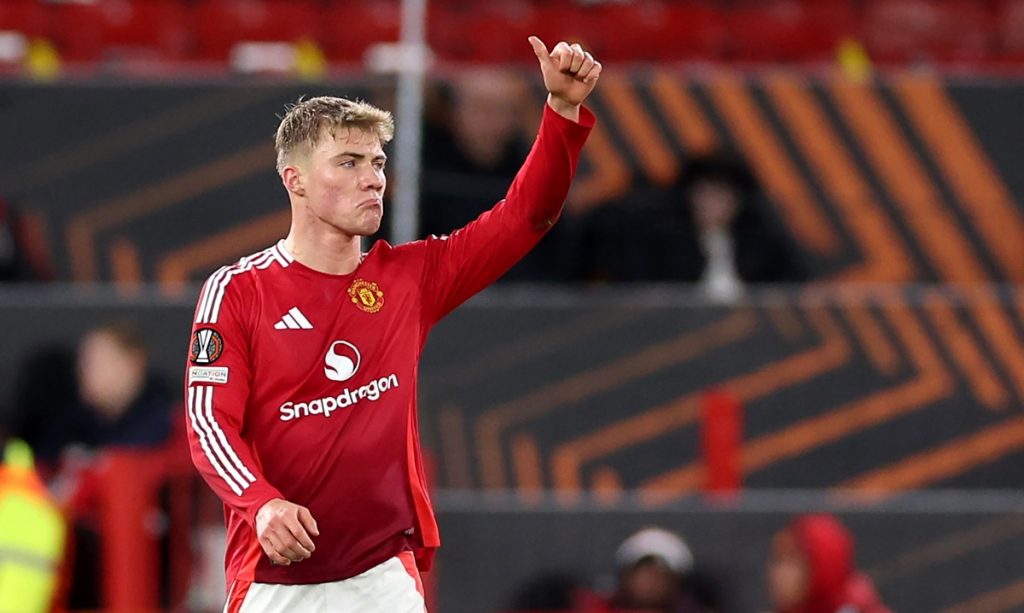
(333, 254)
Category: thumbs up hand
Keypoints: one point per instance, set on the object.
(570, 74)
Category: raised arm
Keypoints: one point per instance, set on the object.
(460, 265)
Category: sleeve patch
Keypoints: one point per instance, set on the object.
(207, 345)
(208, 374)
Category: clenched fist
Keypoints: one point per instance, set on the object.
(570, 74)
(284, 530)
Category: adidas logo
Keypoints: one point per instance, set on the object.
(293, 320)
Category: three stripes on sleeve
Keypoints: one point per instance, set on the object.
(214, 442)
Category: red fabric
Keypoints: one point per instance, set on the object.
(258, 428)
(236, 596)
(428, 532)
(861, 594)
(829, 549)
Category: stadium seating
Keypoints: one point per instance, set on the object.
(25, 16)
(788, 30)
(221, 24)
(349, 28)
(20, 22)
(900, 31)
(121, 30)
(1011, 31)
(659, 31)
(980, 33)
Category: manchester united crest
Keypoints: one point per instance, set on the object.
(366, 295)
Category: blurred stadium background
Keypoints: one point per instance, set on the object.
(858, 349)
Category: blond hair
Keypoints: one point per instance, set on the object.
(306, 121)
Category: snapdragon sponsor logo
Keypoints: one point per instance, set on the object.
(348, 397)
(340, 364)
(342, 361)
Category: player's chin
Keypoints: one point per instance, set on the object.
(375, 216)
(369, 226)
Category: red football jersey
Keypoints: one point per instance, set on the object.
(301, 385)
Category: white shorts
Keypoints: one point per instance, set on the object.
(393, 586)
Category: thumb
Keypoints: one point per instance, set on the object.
(540, 50)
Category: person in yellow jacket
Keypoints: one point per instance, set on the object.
(32, 535)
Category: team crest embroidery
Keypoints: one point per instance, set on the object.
(207, 345)
(366, 295)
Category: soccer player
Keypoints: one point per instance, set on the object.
(301, 382)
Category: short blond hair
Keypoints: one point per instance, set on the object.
(306, 121)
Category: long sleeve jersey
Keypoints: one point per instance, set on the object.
(301, 385)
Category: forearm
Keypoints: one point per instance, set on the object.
(542, 183)
(247, 500)
(458, 266)
(475, 256)
(222, 456)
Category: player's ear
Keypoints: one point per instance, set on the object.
(291, 176)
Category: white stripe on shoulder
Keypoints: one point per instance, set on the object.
(215, 293)
(194, 399)
(284, 251)
(215, 283)
(279, 255)
(209, 289)
(261, 261)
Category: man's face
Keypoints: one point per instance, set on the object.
(650, 585)
(107, 373)
(485, 117)
(344, 181)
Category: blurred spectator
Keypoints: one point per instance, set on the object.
(473, 145)
(119, 404)
(713, 226)
(656, 574)
(811, 570)
(18, 260)
(103, 396)
(124, 405)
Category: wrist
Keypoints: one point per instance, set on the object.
(565, 109)
(265, 507)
